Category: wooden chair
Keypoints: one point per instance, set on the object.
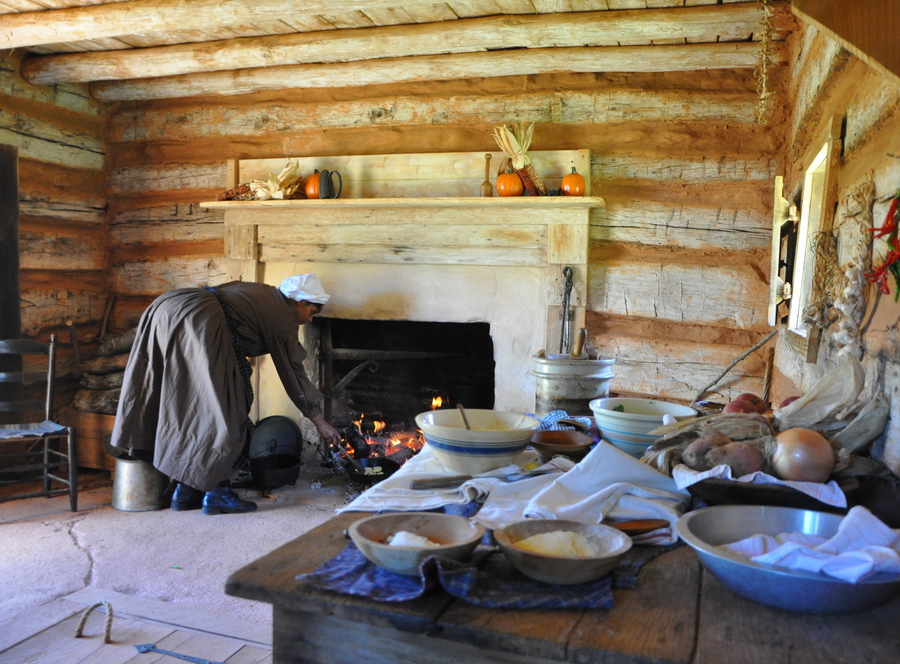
(39, 449)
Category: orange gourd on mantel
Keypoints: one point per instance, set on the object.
(573, 184)
(509, 184)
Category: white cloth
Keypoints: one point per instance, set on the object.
(606, 484)
(862, 546)
(304, 287)
(829, 493)
(393, 493)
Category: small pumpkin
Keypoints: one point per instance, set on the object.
(573, 184)
(311, 185)
(509, 184)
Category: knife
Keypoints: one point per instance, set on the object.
(456, 480)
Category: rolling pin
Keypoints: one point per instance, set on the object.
(578, 344)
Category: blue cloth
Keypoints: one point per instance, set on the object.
(33, 429)
(550, 421)
(487, 579)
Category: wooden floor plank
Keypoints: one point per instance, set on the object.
(37, 620)
(179, 615)
(251, 655)
(59, 644)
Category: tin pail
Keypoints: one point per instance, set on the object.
(565, 383)
(137, 486)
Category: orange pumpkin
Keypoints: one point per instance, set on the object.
(573, 184)
(509, 184)
(311, 185)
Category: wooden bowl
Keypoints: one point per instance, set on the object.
(456, 536)
(563, 570)
(571, 444)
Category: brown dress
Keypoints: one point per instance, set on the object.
(183, 398)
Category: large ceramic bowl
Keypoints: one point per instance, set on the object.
(612, 544)
(456, 536)
(627, 422)
(705, 530)
(496, 437)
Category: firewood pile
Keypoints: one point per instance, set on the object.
(101, 375)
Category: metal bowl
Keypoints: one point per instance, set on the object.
(705, 530)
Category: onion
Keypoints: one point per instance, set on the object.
(802, 455)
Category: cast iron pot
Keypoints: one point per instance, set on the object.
(275, 470)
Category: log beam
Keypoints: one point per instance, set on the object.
(116, 19)
(688, 57)
(735, 22)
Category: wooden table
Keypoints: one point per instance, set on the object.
(677, 613)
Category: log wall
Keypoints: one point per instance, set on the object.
(827, 82)
(679, 257)
(59, 134)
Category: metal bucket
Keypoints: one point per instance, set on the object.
(137, 486)
(564, 383)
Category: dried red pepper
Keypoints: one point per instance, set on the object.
(891, 263)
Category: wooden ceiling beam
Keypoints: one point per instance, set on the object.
(116, 19)
(687, 57)
(733, 22)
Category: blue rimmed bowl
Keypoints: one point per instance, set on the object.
(496, 437)
(626, 422)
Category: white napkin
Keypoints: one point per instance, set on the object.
(862, 546)
(829, 493)
(393, 493)
(606, 484)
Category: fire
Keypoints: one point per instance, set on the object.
(392, 442)
(436, 403)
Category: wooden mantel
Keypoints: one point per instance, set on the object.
(475, 203)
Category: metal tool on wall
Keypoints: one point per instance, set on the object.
(564, 341)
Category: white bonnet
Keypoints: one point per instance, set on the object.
(304, 287)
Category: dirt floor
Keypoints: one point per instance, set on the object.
(178, 558)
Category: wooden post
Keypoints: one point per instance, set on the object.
(11, 318)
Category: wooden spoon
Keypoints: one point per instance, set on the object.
(462, 411)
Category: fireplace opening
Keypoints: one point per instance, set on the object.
(390, 371)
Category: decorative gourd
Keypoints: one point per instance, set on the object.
(573, 184)
(311, 185)
(509, 184)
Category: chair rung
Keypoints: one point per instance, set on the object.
(35, 466)
(34, 494)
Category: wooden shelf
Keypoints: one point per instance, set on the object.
(548, 202)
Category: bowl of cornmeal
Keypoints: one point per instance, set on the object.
(562, 552)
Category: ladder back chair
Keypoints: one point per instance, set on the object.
(32, 450)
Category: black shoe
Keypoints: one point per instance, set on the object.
(186, 498)
(222, 500)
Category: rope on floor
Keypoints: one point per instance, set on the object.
(107, 627)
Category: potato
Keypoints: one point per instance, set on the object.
(694, 455)
(742, 458)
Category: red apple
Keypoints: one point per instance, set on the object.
(788, 401)
(760, 405)
(740, 406)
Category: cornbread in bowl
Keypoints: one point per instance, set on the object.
(562, 552)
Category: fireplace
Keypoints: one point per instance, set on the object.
(494, 262)
(393, 370)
